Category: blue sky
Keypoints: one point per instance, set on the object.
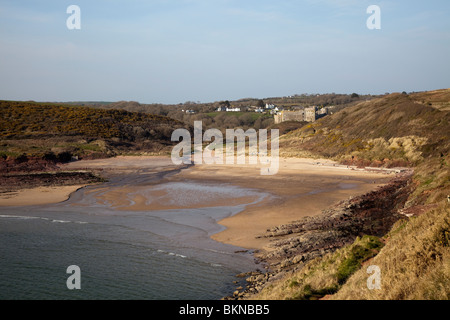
(172, 51)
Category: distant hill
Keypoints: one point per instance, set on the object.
(398, 129)
(28, 119)
(38, 128)
(287, 126)
(413, 257)
(393, 131)
(87, 103)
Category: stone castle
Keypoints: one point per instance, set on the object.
(309, 114)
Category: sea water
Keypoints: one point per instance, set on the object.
(165, 254)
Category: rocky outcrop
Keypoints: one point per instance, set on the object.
(25, 163)
(25, 171)
(296, 243)
(17, 181)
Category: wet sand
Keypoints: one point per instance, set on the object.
(37, 196)
(302, 187)
(119, 166)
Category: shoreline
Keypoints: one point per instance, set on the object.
(271, 206)
(295, 244)
(302, 187)
(50, 187)
(38, 196)
(40, 188)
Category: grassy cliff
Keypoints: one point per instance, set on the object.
(414, 256)
(398, 129)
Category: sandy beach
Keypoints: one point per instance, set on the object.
(37, 196)
(302, 187)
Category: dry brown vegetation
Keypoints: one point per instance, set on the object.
(414, 263)
(323, 276)
(48, 130)
(414, 259)
(395, 130)
(414, 256)
(30, 119)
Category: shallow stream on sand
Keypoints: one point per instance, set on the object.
(148, 254)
